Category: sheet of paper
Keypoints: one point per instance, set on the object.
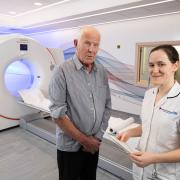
(121, 144)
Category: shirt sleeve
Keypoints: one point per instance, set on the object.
(57, 93)
(107, 111)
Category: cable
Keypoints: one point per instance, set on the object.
(9, 118)
(50, 52)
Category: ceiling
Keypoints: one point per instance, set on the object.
(18, 7)
(62, 14)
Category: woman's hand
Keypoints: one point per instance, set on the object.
(143, 159)
(124, 136)
(133, 132)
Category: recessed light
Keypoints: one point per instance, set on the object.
(12, 12)
(38, 4)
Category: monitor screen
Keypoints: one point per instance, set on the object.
(23, 47)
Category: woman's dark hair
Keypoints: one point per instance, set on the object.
(169, 50)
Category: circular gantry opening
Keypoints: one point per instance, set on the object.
(18, 75)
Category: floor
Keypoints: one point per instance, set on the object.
(24, 156)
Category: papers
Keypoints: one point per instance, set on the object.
(123, 145)
(118, 125)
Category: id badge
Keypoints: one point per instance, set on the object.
(154, 177)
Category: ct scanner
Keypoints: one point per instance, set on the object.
(26, 64)
(31, 67)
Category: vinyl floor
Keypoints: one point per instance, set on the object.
(25, 156)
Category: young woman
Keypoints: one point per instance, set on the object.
(158, 155)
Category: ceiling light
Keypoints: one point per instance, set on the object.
(43, 7)
(38, 4)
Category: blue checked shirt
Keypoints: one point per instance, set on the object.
(84, 97)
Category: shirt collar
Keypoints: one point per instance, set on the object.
(79, 65)
(174, 91)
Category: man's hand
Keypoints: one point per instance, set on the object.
(91, 144)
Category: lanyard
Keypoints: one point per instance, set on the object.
(154, 174)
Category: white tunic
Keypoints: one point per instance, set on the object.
(160, 132)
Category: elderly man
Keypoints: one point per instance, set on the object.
(81, 104)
